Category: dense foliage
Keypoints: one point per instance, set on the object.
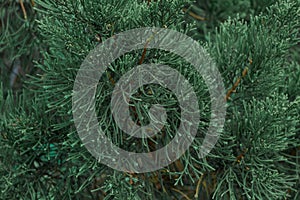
(255, 45)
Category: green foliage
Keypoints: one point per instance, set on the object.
(215, 12)
(257, 155)
(264, 42)
(28, 165)
(118, 186)
(262, 136)
(19, 43)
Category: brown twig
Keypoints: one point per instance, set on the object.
(179, 166)
(194, 15)
(144, 53)
(111, 78)
(235, 85)
(145, 49)
(198, 186)
(239, 157)
(184, 195)
(23, 9)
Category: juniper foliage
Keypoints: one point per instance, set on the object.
(257, 155)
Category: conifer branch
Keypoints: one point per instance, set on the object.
(236, 84)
